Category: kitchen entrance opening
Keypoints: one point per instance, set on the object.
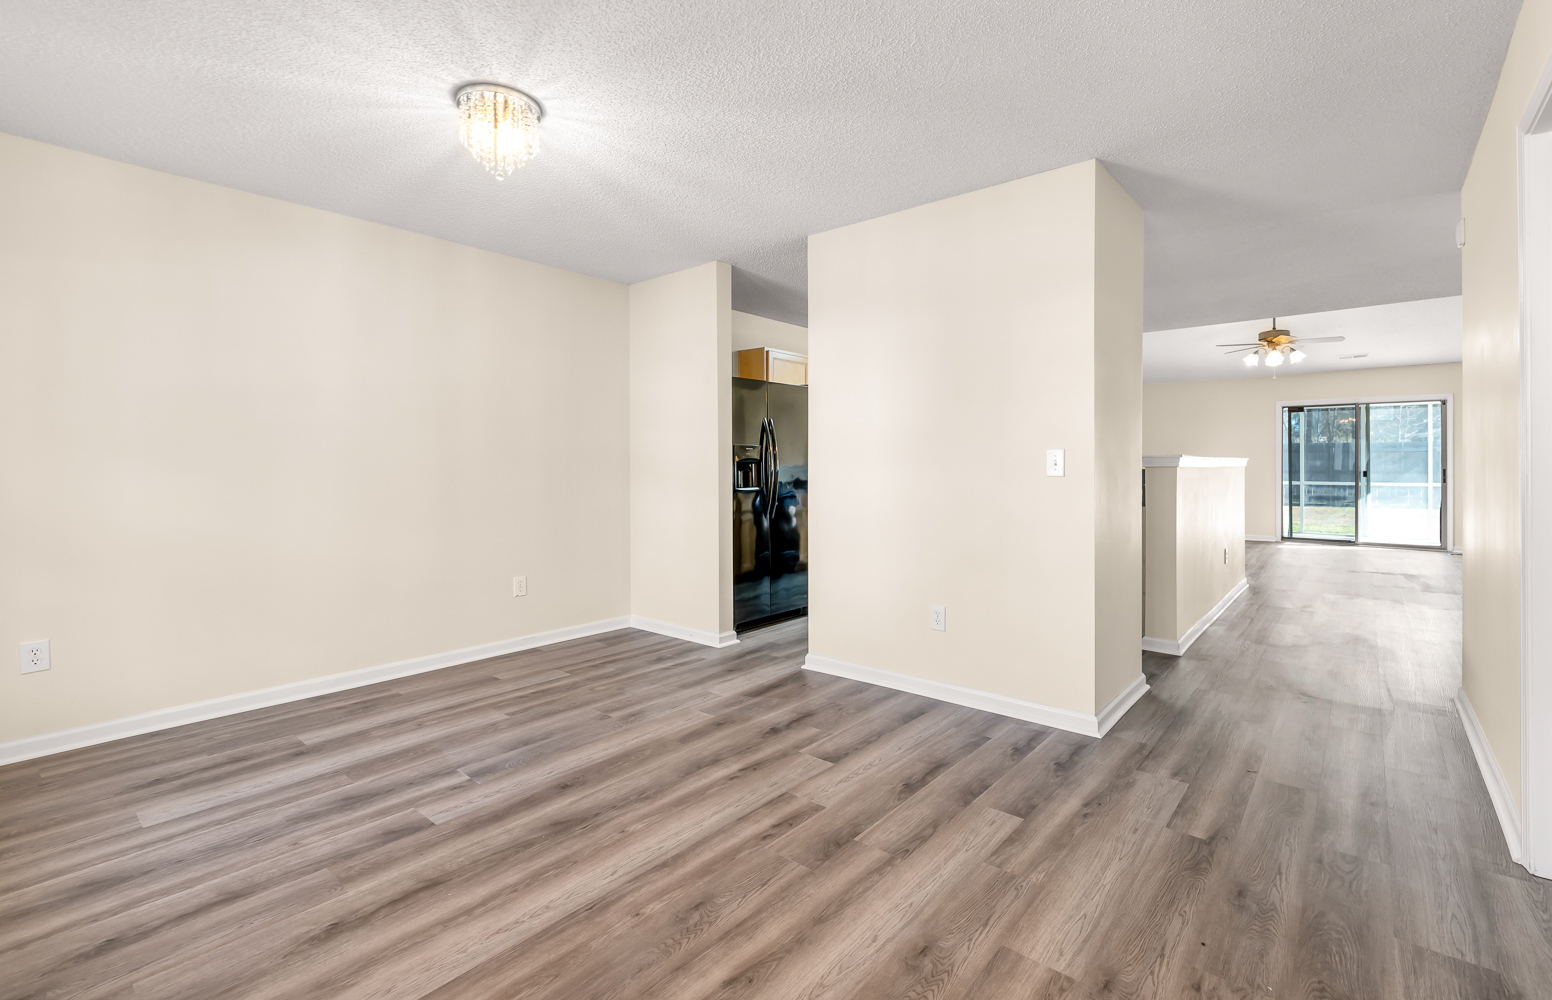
(770, 501)
(1365, 472)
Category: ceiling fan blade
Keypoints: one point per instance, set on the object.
(1256, 344)
(1320, 340)
(1241, 350)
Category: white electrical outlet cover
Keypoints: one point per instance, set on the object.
(520, 586)
(938, 618)
(35, 656)
(1056, 461)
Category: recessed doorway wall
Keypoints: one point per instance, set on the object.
(1366, 471)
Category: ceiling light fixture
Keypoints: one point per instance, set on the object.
(499, 126)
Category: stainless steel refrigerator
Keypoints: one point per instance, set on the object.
(770, 500)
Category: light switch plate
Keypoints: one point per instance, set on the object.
(1056, 462)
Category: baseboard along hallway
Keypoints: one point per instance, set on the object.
(1292, 810)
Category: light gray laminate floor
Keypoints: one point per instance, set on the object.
(1292, 812)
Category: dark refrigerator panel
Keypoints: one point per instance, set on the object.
(787, 410)
(770, 500)
(751, 527)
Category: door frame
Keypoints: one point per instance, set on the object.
(1529, 829)
(1447, 528)
(1287, 441)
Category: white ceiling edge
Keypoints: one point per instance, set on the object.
(1400, 334)
(743, 315)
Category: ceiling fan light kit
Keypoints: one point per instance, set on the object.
(1277, 346)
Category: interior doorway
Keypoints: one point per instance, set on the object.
(1366, 472)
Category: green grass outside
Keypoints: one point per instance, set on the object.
(1322, 520)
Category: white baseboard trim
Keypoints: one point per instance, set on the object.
(31, 747)
(1121, 703)
(1178, 648)
(701, 636)
(986, 701)
(1497, 788)
(1457, 552)
(1262, 538)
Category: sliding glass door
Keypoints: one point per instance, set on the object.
(1401, 499)
(1364, 472)
(1320, 482)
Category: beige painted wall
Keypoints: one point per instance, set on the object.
(249, 443)
(1117, 374)
(1490, 315)
(681, 372)
(1196, 544)
(1160, 612)
(1239, 417)
(951, 345)
(750, 330)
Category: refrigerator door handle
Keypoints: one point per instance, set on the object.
(759, 474)
(765, 458)
(770, 505)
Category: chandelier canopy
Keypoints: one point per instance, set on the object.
(499, 126)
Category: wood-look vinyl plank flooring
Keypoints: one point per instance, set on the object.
(1291, 812)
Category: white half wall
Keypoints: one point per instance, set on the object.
(1195, 528)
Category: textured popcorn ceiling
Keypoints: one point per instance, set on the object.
(1292, 157)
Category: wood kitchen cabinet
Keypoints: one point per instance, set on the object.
(770, 365)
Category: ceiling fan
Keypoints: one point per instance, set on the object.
(1277, 345)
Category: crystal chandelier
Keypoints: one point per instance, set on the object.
(499, 126)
